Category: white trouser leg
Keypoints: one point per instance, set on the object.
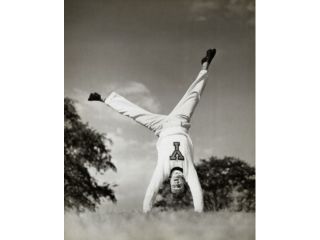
(140, 115)
(189, 101)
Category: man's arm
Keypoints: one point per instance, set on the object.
(195, 188)
(153, 188)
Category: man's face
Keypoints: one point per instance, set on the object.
(177, 182)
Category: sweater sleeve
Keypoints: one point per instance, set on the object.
(153, 188)
(195, 188)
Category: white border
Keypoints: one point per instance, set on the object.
(287, 119)
(287, 104)
(31, 60)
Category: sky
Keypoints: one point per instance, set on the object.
(150, 52)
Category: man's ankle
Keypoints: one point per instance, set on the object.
(205, 66)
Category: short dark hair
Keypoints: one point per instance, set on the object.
(175, 168)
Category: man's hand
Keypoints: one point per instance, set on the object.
(95, 97)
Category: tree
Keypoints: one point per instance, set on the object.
(227, 183)
(84, 148)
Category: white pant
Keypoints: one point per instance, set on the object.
(171, 128)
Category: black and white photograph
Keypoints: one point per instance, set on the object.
(181, 119)
(159, 119)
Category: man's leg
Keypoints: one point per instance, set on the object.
(189, 101)
(127, 108)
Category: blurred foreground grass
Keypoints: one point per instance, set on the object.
(182, 225)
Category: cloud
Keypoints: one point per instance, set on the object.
(240, 7)
(134, 88)
(135, 162)
(203, 5)
(120, 142)
(139, 94)
(233, 6)
(202, 10)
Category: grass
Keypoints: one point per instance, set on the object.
(182, 225)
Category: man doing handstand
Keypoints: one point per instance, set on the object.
(175, 148)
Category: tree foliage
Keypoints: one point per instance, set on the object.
(227, 183)
(84, 148)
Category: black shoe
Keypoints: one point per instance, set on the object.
(210, 55)
(95, 97)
